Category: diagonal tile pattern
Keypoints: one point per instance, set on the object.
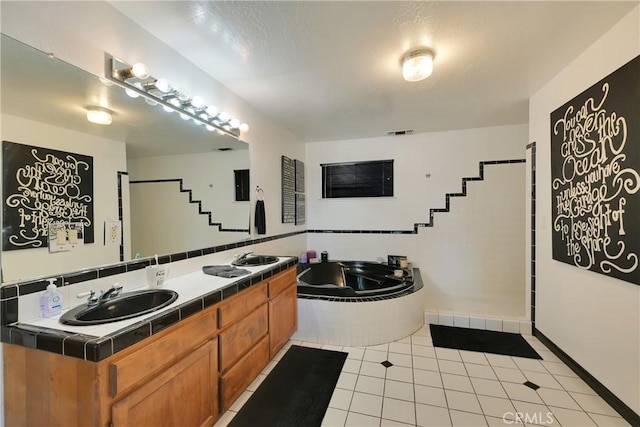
(443, 387)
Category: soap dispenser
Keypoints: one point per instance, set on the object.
(51, 300)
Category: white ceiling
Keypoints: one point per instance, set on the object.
(331, 70)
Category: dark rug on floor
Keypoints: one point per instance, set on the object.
(296, 392)
(480, 340)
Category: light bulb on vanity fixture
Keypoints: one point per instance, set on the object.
(417, 64)
(137, 81)
(99, 115)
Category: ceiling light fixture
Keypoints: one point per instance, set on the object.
(137, 81)
(417, 64)
(99, 115)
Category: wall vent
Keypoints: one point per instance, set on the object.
(400, 132)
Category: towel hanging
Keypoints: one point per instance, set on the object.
(260, 220)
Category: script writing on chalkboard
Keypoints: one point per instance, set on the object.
(42, 186)
(595, 177)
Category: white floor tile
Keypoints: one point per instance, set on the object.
(334, 418)
(480, 371)
(574, 384)
(366, 404)
(594, 404)
(354, 352)
(400, 359)
(457, 382)
(429, 378)
(240, 401)
(360, 420)
(548, 356)
(422, 340)
(371, 385)
(430, 395)
(542, 379)
(499, 422)
(509, 375)
(398, 347)
(341, 399)
(432, 416)
(424, 331)
(488, 387)
(448, 354)
(399, 390)
(558, 398)
(463, 401)
(426, 363)
(452, 367)
(465, 419)
(495, 406)
(405, 340)
(569, 418)
(373, 369)
(347, 381)
(400, 373)
(399, 410)
(500, 360)
(534, 414)
(606, 421)
(351, 366)
(423, 351)
(473, 357)
(225, 419)
(526, 364)
(256, 383)
(380, 347)
(521, 392)
(374, 355)
(391, 423)
(558, 368)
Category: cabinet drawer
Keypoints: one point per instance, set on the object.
(281, 281)
(237, 339)
(152, 358)
(241, 304)
(238, 378)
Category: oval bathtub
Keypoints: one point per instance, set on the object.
(356, 303)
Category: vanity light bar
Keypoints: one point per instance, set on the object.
(159, 91)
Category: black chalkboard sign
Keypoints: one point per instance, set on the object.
(41, 186)
(595, 177)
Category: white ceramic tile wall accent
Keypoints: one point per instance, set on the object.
(494, 324)
(461, 320)
(525, 327)
(445, 319)
(431, 317)
(477, 322)
(512, 326)
(359, 324)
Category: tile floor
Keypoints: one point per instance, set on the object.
(427, 386)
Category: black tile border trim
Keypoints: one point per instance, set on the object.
(416, 286)
(432, 211)
(94, 348)
(40, 284)
(618, 405)
(209, 214)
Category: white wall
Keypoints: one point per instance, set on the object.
(473, 259)
(592, 318)
(108, 158)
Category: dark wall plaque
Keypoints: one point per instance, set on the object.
(595, 173)
(41, 186)
(288, 190)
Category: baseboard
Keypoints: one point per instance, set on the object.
(618, 405)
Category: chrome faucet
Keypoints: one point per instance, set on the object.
(243, 255)
(112, 292)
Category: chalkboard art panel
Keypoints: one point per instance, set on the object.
(288, 191)
(595, 173)
(41, 186)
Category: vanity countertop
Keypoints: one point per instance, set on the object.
(196, 291)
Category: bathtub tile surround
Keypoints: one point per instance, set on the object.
(477, 321)
(430, 396)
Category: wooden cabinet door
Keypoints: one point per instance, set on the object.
(185, 394)
(283, 318)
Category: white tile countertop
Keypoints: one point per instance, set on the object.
(191, 289)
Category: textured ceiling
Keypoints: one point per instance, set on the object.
(330, 70)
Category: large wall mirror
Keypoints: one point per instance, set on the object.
(170, 183)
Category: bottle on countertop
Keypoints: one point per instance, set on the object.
(51, 300)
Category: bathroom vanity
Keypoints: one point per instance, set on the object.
(187, 374)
